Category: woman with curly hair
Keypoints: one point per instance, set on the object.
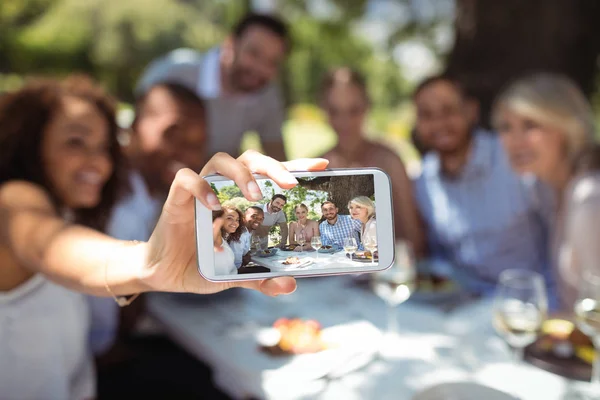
(233, 230)
(59, 138)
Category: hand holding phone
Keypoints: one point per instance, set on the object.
(349, 211)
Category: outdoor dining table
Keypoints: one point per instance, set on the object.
(433, 346)
(317, 260)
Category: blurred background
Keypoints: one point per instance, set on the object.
(394, 43)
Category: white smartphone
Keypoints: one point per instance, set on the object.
(336, 221)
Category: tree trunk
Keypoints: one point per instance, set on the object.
(341, 189)
(498, 41)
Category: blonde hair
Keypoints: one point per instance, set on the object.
(550, 99)
(301, 205)
(365, 202)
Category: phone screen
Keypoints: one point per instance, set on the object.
(323, 223)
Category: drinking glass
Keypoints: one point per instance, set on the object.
(255, 244)
(370, 243)
(301, 240)
(520, 308)
(587, 311)
(315, 242)
(275, 238)
(395, 284)
(350, 246)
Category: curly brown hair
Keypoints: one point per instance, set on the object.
(235, 236)
(24, 117)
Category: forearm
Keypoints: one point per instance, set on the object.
(77, 257)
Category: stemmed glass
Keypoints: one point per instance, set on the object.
(370, 243)
(315, 242)
(587, 310)
(520, 308)
(395, 284)
(301, 240)
(350, 246)
(255, 244)
(275, 238)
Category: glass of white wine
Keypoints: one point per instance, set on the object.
(520, 308)
(301, 239)
(315, 242)
(396, 284)
(370, 243)
(350, 246)
(587, 311)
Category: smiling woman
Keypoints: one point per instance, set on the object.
(59, 156)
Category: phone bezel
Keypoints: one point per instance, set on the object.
(385, 230)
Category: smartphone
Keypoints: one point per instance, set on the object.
(336, 221)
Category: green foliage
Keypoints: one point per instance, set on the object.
(229, 192)
(114, 40)
(299, 195)
(241, 203)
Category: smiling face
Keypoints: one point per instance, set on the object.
(254, 218)
(444, 117)
(358, 212)
(75, 152)
(531, 146)
(330, 211)
(258, 54)
(232, 221)
(170, 135)
(301, 213)
(276, 205)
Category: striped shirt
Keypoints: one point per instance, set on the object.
(335, 234)
(482, 221)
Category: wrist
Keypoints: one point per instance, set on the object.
(127, 271)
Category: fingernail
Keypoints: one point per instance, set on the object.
(213, 201)
(254, 190)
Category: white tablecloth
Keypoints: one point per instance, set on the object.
(318, 260)
(433, 347)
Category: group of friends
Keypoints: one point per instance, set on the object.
(237, 231)
(92, 213)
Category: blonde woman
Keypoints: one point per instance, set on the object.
(302, 226)
(544, 122)
(362, 208)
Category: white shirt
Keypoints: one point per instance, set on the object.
(225, 261)
(241, 247)
(44, 352)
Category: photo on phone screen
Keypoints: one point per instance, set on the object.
(323, 223)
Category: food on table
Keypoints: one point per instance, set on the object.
(434, 283)
(327, 247)
(299, 336)
(291, 261)
(267, 251)
(562, 338)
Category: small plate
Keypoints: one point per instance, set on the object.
(271, 253)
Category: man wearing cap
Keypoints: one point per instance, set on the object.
(236, 80)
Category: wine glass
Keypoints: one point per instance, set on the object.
(255, 244)
(315, 242)
(301, 239)
(520, 308)
(275, 238)
(350, 246)
(370, 243)
(587, 311)
(396, 284)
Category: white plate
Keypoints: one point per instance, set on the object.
(357, 344)
(462, 391)
(304, 263)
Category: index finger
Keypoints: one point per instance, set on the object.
(279, 172)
